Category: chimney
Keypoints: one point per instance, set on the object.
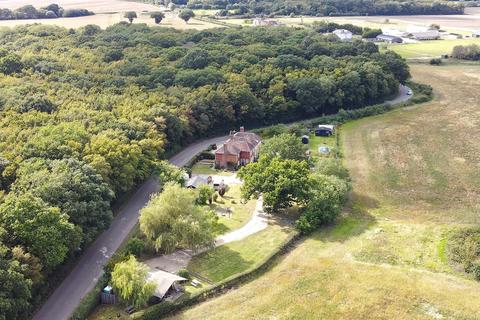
(242, 129)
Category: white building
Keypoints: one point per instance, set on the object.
(344, 35)
(426, 35)
(261, 22)
(476, 34)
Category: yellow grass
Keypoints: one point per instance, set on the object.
(415, 179)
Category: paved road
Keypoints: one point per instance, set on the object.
(81, 280)
(402, 96)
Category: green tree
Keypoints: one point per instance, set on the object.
(15, 291)
(186, 14)
(285, 146)
(327, 195)
(11, 63)
(172, 220)
(157, 16)
(205, 193)
(130, 15)
(281, 182)
(130, 280)
(42, 230)
(71, 185)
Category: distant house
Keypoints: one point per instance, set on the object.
(426, 35)
(476, 34)
(261, 22)
(344, 35)
(325, 130)
(166, 283)
(240, 148)
(389, 38)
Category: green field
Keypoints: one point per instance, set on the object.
(429, 49)
(415, 180)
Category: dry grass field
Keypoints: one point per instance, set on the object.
(107, 13)
(415, 179)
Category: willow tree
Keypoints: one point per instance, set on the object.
(172, 220)
(130, 280)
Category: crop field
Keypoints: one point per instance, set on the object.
(415, 179)
(430, 49)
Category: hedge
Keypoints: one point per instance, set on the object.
(90, 301)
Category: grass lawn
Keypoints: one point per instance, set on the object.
(415, 175)
(429, 49)
(203, 168)
(241, 212)
(316, 142)
(235, 257)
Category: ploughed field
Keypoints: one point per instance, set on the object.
(416, 179)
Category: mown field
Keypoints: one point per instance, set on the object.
(415, 179)
(429, 49)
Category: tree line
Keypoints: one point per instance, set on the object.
(86, 115)
(325, 7)
(51, 11)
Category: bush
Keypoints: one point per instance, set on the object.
(134, 246)
(184, 273)
(205, 193)
(463, 248)
(436, 61)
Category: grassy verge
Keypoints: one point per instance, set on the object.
(203, 168)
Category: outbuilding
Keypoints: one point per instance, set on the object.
(325, 130)
(166, 283)
(389, 39)
(343, 34)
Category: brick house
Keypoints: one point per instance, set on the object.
(240, 149)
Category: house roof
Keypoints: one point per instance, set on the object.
(240, 141)
(342, 31)
(388, 37)
(163, 280)
(196, 181)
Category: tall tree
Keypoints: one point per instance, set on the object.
(157, 16)
(71, 185)
(129, 279)
(173, 220)
(130, 15)
(285, 146)
(41, 229)
(281, 182)
(186, 15)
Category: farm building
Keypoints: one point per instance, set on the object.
(325, 130)
(261, 22)
(389, 39)
(344, 35)
(241, 148)
(476, 34)
(166, 283)
(426, 35)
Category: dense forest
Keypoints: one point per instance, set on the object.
(86, 114)
(325, 7)
(51, 11)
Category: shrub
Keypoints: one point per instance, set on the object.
(184, 273)
(463, 249)
(436, 61)
(134, 246)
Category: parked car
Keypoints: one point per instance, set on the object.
(409, 92)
